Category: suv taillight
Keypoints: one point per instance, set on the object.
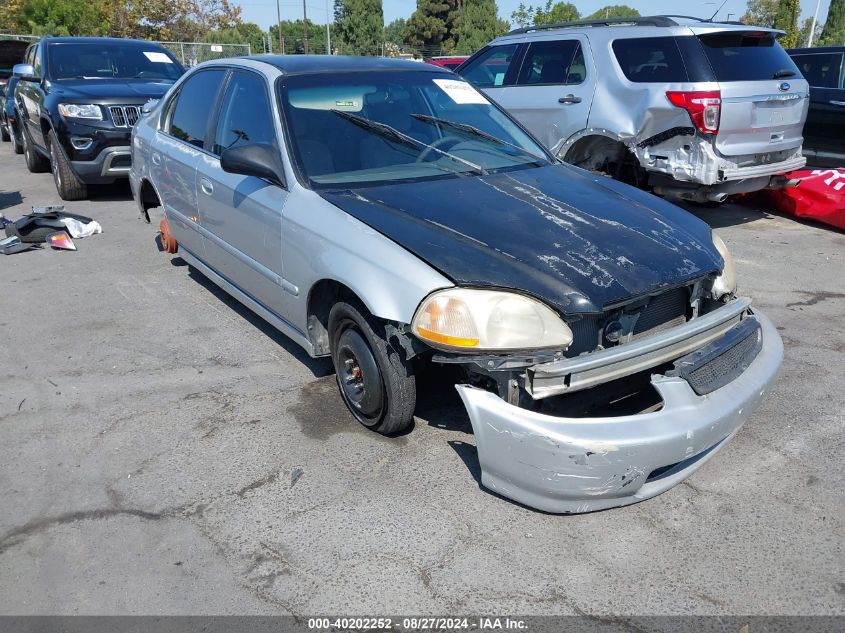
(704, 107)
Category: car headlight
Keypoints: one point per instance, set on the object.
(81, 111)
(471, 319)
(724, 284)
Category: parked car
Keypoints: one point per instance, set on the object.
(386, 214)
(824, 132)
(11, 53)
(77, 100)
(450, 62)
(697, 110)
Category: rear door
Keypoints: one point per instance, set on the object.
(494, 69)
(824, 131)
(764, 96)
(242, 215)
(177, 148)
(554, 89)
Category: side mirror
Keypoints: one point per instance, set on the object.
(257, 159)
(25, 71)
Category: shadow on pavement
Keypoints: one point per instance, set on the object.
(720, 216)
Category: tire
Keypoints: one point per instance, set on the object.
(4, 133)
(376, 382)
(35, 162)
(68, 184)
(17, 145)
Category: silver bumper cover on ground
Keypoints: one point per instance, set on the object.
(567, 465)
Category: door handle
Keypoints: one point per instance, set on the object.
(837, 103)
(568, 99)
(206, 186)
(156, 159)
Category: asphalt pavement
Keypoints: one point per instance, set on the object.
(164, 451)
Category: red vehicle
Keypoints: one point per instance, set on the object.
(450, 62)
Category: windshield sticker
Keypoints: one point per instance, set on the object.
(460, 92)
(157, 57)
(344, 98)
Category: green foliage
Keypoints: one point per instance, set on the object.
(243, 33)
(293, 35)
(360, 29)
(804, 33)
(559, 12)
(396, 31)
(477, 24)
(433, 25)
(833, 33)
(614, 11)
(760, 13)
(786, 19)
(63, 17)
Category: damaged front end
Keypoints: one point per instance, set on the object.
(645, 394)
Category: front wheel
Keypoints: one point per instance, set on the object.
(68, 184)
(377, 382)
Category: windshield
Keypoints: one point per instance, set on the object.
(367, 128)
(111, 61)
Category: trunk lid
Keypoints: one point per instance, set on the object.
(764, 96)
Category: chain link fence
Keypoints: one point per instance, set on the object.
(193, 53)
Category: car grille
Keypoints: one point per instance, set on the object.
(719, 363)
(662, 312)
(125, 116)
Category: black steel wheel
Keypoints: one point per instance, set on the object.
(377, 383)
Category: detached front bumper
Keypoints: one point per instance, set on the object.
(570, 465)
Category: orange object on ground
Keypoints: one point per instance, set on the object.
(167, 240)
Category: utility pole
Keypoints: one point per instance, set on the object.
(304, 27)
(813, 25)
(279, 26)
(328, 31)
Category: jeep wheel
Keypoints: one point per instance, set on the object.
(35, 162)
(376, 382)
(17, 146)
(4, 133)
(68, 184)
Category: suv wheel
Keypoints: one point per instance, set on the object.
(377, 384)
(68, 184)
(4, 133)
(35, 162)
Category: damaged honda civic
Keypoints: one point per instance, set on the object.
(387, 215)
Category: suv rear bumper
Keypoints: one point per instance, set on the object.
(770, 169)
(109, 165)
(566, 465)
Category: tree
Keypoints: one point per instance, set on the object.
(560, 12)
(804, 33)
(834, 28)
(477, 24)
(292, 34)
(243, 33)
(396, 31)
(10, 16)
(361, 27)
(62, 17)
(760, 13)
(433, 27)
(614, 11)
(786, 19)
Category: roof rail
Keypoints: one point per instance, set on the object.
(657, 20)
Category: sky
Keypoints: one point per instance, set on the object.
(263, 12)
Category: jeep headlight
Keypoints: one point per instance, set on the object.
(724, 284)
(81, 111)
(471, 319)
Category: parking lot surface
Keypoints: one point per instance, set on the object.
(163, 451)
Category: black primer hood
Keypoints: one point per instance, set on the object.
(578, 241)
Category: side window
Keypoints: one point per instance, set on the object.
(553, 63)
(490, 68)
(651, 59)
(246, 115)
(36, 61)
(189, 116)
(820, 70)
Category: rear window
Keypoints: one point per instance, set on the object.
(821, 70)
(747, 56)
(651, 59)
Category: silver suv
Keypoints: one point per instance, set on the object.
(697, 110)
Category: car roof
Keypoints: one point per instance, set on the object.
(97, 40)
(301, 64)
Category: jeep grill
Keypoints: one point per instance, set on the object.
(124, 116)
